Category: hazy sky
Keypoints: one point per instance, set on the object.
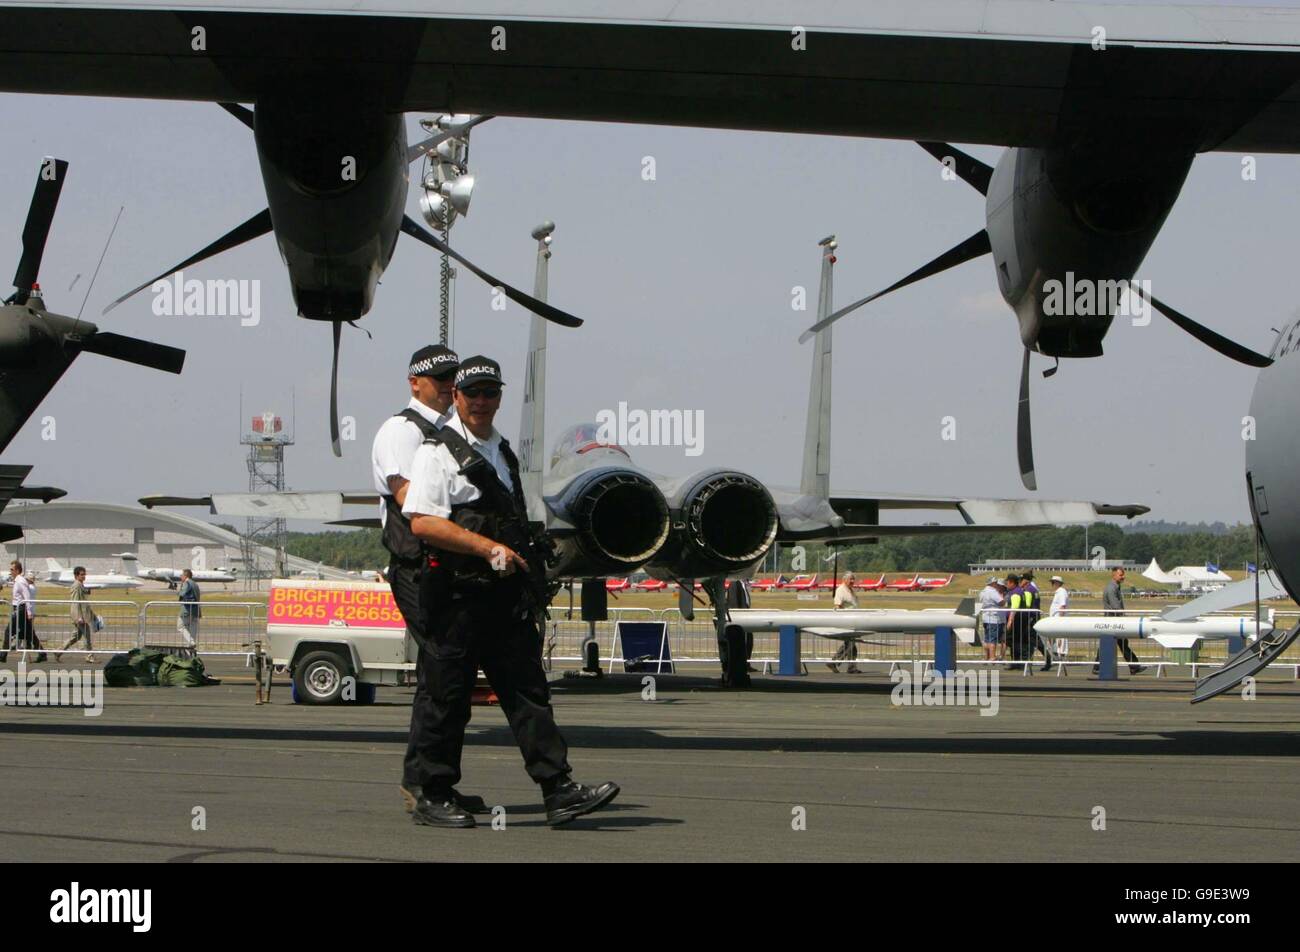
(685, 283)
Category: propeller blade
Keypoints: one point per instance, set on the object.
(334, 392)
(1024, 432)
(40, 213)
(255, 227)
(242, 113)
(133, 350)
(415, 151)
(973, 247)
(967, 168)
(540, 308)
(1211, 339)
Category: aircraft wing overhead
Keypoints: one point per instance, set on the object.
(849, 517)
(315, 505)
(1005, 72)
(999, 511)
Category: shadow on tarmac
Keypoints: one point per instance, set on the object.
(1053, 742)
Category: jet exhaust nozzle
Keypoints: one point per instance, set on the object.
(621, 521)
(726, 522)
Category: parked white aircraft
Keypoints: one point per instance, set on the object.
(173, 576)
(61, 576)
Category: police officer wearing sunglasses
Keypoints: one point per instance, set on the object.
(464, 490)
(430, 375)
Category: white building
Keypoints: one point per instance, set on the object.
(92, 533)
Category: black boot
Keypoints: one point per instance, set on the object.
(568, 800)
(441, 810)
(411, 794)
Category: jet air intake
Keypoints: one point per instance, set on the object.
(724, 522)
(620, 520)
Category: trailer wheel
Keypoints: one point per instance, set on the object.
(318, 678)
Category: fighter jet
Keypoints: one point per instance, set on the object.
(609, 517)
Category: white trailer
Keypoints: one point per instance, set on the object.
(338, 640)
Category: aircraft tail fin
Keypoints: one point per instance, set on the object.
(54, 566)
(816, 478)
(966, 607)
(532, 425)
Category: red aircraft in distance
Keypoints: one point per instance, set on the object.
(930, 584)
(871, 585)
(768, 584)
(651, 585)
(802, 583)
(912, 584)
(617, 585)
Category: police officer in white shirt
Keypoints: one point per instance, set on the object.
(473, 598)
(429, 375)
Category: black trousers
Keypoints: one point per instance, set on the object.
(465, 634)
(20, 633)
(404, 580)
(1122, 644)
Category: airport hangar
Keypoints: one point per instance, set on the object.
(92, 533)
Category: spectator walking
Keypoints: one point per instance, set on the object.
(991, 600)
(848, 651)
(1112, 600)
(83, 616)
(187, 623)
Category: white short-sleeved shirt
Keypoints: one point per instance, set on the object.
(1060, 602)
(395, 445)
(844, 597)
(24, 591)
(990, 601)
(436, 482)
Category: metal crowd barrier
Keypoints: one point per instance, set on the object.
(229, 628)
(225, 628)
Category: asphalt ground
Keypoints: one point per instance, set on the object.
(707, 774)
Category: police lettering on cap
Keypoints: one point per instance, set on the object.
(478, 370)
(433, 361)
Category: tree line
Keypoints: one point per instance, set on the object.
(1229, 547)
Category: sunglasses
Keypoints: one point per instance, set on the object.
(488, 393)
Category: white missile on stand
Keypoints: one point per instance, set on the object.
(1151, 626)
(844, 623)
